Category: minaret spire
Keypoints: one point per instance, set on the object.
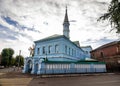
(66, 16)
(66, 25)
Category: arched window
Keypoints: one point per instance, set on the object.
(102, 54)
(49, 49)
(43, 50)
(56, 49)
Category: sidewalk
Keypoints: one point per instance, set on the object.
(10, 69)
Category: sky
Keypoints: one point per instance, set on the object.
(24, 21)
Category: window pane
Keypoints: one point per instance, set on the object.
(38, 51)
(56, 49)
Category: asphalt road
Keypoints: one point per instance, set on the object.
(89, 80)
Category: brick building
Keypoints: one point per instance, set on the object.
(109, 53)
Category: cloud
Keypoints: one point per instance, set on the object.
(10, 21)
(6, 33)
(24, 21)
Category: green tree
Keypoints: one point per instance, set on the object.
(19, 60)
(113, 15)
(7, 54)
(13, 61)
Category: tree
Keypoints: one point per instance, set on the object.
(113, 15)
(19, 60)
(13, 61)
(7, 54)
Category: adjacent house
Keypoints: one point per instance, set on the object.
(109, 53)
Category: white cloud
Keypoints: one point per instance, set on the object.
(42, 18)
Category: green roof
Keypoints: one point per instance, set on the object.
(77, 62)
(50, 38)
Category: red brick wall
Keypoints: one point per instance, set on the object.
(106, 51)
(111, 55)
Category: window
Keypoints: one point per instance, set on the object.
(50, 49)
(56, 49)
(75, 52)
(86, 52)
(117, 49)
(69, 51)
(38, 51)
(66, 49)
(72, 51)
(102, 54)
(43, 50)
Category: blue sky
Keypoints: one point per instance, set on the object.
(24, 21)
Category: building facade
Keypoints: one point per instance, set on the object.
(58, 54)
(87, 49)
(109, 53)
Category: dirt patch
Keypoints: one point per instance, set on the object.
(1, 74)
(15, 79)
(16, 75)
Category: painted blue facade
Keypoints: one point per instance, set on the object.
(58, 54)
(58, 47)
(87, 49)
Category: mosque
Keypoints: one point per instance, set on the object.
(57, 54)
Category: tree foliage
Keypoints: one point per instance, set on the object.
(7, 55)
(19, 60)
(113, 15)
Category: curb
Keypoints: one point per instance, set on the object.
(73, 75)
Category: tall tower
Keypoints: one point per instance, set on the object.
(66, 25)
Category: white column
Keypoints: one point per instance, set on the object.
(33, 68)
(39, 68)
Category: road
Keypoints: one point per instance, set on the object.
(15, 78)
(89, 80)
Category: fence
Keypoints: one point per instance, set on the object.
(71, 68)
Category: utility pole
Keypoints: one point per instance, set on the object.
(19, 59)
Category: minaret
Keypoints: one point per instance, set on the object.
(66, 25)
